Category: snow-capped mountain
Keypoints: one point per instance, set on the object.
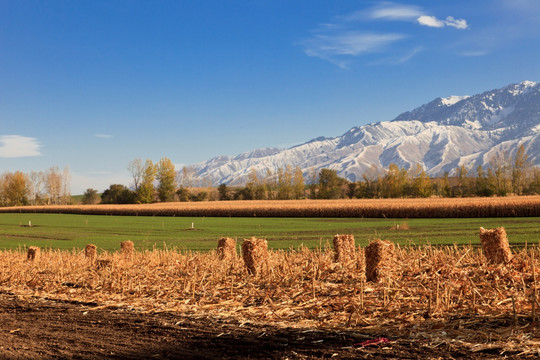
(440, 136)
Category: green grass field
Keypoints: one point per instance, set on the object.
(75, 231)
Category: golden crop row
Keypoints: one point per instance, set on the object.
(376, 208)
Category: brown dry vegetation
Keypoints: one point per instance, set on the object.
(447, 295)
(377, 208)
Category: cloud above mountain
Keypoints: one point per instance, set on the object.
(350, 36)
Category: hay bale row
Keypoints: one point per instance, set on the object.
(495, 245)
(226, 249)
(380, 260)
(344, 248)
(255, 254)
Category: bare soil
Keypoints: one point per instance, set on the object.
(33, 328)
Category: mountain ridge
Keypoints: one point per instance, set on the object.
(440, 135)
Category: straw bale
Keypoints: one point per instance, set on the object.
(127, 247)
(344, 248)
(254, 253)
(380, 260)
(226, 248)
(495, 245)
(90, 251)
(33, 253)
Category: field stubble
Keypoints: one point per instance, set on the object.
(438, 295)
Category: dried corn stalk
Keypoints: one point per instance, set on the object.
(33, 253)
(226, 248)
(255, 253)
(103, 263)
(495, 245)
(344, 248)
(380, 260)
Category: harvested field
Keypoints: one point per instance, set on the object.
(439, 301)
(377, 208)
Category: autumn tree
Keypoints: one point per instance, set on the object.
(36, 182)
(500, 164)
(15, 189)
(57, 185)
(520, 170)
(137, 169)
(255, 186)
(270, 185)
(298, 183)
(285, 183)
(165, 176)
(394, 183)
(146, 190)
(421, 183)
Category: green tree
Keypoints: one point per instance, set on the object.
(118, 194)
(330, 184)
(223, 191)
(165, 175)
(482, 186)
(183, 194)
(90, 197)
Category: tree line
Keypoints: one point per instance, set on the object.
(160, 182)
(49, 187)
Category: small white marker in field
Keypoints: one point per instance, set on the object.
(192, 226)
(29, 223)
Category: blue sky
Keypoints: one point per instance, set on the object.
(95, 84)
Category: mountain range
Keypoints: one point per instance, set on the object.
(441, 136)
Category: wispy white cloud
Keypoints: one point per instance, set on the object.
(345, 37)
(16, 146)
(457, 23)
(332, 46)
(432, 21)
(103, 136)
(393, 11)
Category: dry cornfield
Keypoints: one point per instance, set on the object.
(440, 293)
(375, 208)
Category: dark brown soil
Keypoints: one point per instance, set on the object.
(32, 328)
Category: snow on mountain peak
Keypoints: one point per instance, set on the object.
(451, 100)
(440, 135)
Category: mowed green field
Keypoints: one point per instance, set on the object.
(75, 231)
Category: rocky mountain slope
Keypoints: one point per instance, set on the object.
(440, 135)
